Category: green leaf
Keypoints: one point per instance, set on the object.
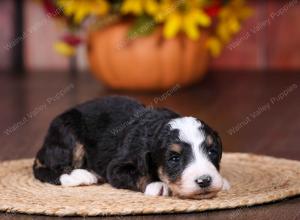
(144, 25)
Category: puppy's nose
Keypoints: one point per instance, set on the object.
(204, 181)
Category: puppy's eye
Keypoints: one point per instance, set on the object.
(212, 153)
(175, 158)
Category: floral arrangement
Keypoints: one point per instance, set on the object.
(222, 18)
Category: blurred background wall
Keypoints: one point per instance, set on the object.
(263, 43)
(6, 32)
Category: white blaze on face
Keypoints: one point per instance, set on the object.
(189, 132)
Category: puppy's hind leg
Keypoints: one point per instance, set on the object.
(51, 162)
(46, 174)
(68, 174)
(61, 160)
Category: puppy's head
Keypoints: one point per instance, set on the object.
(191, 158)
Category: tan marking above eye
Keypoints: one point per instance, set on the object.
(209, 140)
(176, 148)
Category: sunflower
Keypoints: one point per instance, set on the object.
(138, 7)
(229, 23)
(80, 9)
(182, 16)
(230, 17)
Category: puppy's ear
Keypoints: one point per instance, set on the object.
(219, 141)
(123, 174)
(219, 144)
(146, 164)
(143, 162)
(123, 166)
(139, 165)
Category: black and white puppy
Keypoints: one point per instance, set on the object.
(119, 141)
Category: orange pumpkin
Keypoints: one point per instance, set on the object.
(145, 63)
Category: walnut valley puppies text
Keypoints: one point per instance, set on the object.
(263, 109)
(38, 109)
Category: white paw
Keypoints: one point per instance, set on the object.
(157, 189)
(226, 185)
(78, 177)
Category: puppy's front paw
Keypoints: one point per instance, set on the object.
(226, 185)
(78, 177)
(157, 189)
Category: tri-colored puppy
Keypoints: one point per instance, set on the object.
(119, 141)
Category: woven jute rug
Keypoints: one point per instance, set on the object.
(254, 180)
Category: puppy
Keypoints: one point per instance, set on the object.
(119, 141)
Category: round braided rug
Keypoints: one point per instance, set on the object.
(254, 180)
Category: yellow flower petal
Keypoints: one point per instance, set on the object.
(201, 18)
(190, 27)
(215, 46)
(80, 9)
(172, 25)
(223, 32)
(245, 12)
(164, 10)
(80, 15)
(192, 31)
(99, 8)
(132, 6)
(151, 7)
(64, 49)
(224, 13)
(230, 17)
(234, 25)
(192, 20)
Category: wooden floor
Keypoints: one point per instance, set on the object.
(253, 112)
